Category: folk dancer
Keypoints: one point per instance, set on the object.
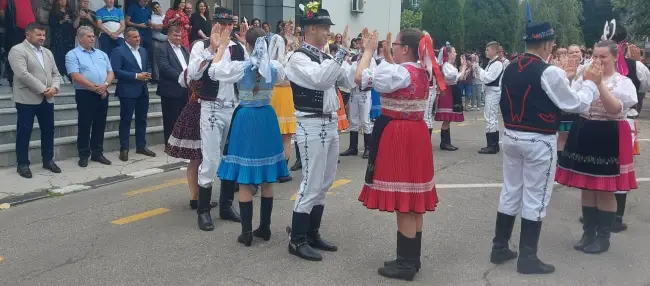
(399, 177)
(282, 99)
(603, 134)
(313, 75)
(218, 101)
(638, 73)
(566, 119)
(533, 95)
(253, 154)
(491, 77)
(360, 105)
(449, 105)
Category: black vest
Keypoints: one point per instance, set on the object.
(305, 99)
(631, 66)
(495, 83)
(524, 104)
(209, 89)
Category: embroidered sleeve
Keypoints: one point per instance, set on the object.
(340, 55)
(387, 78)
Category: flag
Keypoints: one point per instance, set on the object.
(529, 14)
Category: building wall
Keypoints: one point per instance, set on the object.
(382, 15)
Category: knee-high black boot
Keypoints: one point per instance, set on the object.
(407, 257)
(502, 233)
(203, 209)
(353, 150)
(619, 225)
(226, 197)
(589, 227)
(418, 245)
(298, 165)
(492, 143)
(445, 140)
(601, 243)
(298, 244)
(313, 236)
(528, 262)
(430, 131)
(246, 236)
(366, 145)
(264, 231)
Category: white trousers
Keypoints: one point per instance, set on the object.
(491, 111)
(215, 123)
(360, 104)
(528, 173)
(428, 113)
(318, 141)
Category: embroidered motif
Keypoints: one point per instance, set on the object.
(517, 118)
(548, 117)
(249, 162)
(213, 116)
(590, 159)
(322, 133)
(305, 170)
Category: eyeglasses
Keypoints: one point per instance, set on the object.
(396, 44)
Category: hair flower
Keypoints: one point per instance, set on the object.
(310, 15)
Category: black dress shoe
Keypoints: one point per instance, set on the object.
(205, 222)
(52, 167)
(194, 204)
(83, 162)
(296, 166)
(24, 171)
(101, 159)
(246, 239)
(146, 152)
(282, 180)
(124, 155)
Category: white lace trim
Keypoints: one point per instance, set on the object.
(254, 162)
(403, 187)
(184, 143)
(403, 105)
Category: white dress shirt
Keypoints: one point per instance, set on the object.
(136, 53)
(39, 54)
(200, 54)
(179, 55)
(491, 74)
(302, 71)
(158, 20)
(450, 74)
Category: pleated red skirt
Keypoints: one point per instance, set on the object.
(448, 109)
(403, 176)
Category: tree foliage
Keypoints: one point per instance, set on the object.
(443, 19)
(636, 15)
(564, 15)
(411, 19)
(494, 20)
(596, 12)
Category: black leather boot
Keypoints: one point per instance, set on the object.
(407, 256)
(298, 244)
(264, 231)
(619, 225)
(203, 210)
(503, 231)
(298, 164)
(366, 145)
(354, 145)
(492, 143)
(418, 245)
(445, 141)
(226, 197)
(604, 231)
(528, 263)
(430, 131)
(313, 236)
(246, 236)
(283, 180)
(590, 224)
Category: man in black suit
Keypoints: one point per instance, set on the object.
(129, 62)
(172, 61)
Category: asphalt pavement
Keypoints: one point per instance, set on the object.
(142, 232)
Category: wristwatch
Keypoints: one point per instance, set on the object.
(106, 83)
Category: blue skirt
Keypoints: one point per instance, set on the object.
(375, 109)
(254, 153)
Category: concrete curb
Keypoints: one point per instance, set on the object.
(79, 187)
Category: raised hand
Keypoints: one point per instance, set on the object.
(594, 72)
(224, 37)
(388, 46)
(635, 52)
(371, 40)
(345, 39)
(241, 36)
(215, 35)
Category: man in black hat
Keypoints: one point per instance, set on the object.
(313, 74)
(532, 97)
(218, 101)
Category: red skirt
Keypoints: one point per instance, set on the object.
(185, 140)
(403, 174)
(449, 106)
(598, 157)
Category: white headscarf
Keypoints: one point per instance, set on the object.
(276, 49)
(260, 59)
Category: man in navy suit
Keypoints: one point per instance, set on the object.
(129, 62)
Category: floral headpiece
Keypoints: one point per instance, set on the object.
(310, 9)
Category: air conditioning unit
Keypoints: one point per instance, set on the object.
(357, 6)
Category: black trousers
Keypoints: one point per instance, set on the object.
(91, 123)
(13, 38)
(171, 109)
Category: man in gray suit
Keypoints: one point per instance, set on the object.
(36, 82)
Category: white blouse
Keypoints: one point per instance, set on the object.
(387, 77)
(450, 73)
(621, 87)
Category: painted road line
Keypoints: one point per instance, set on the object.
(336, 184)
(70, 189)
(495, 185)
(463, 124)
(140, 216)
(168, 184)
(2, 258)
(435, 131)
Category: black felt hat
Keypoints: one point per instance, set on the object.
(313, 14)
(222, 15)
(539, 31)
